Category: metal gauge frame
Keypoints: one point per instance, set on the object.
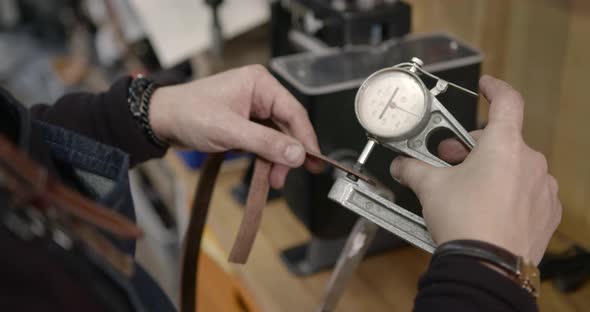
(375, 210)
(414, 142)
(363, 199)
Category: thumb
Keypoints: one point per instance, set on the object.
(266, 142)
(412, 172)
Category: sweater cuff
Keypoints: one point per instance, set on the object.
(142, 148)
(472, 285)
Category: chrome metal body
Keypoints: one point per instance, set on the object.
(361, 198)
(353, 253)
(364, 200)
(414, 144)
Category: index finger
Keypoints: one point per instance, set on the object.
(506, 104)
(271, 100)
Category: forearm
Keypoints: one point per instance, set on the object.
(103, 117)
(458, 283)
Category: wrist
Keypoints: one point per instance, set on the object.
(159, 114)
(513, 246)
(140, 100)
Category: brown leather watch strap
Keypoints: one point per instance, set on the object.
(524, 273)
(481, 250)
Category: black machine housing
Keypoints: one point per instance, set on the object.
(339, 43)
(326, 84)
(345, 24)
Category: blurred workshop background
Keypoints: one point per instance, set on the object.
(321, 50)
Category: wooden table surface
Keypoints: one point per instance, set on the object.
(385, 282)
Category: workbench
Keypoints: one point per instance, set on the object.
(386, 282)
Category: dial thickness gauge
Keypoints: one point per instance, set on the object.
(392, 104)
(400, 113)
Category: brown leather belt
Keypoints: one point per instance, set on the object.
(30, 182)
(31, 186)
(257, 196)
(194, 231)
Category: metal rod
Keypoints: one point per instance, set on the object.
(366, 152)
(352, 254)
(410, 65)
(450, 83)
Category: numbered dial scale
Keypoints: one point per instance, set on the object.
(398, 111)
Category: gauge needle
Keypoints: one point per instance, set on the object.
(402, 109)
(388, 103)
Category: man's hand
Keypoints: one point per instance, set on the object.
(501, 193)
(213, 115)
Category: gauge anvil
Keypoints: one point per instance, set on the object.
(359, 197)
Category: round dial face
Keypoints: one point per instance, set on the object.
(391, 103)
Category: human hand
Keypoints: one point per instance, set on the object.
(501, 193)
(213, 115)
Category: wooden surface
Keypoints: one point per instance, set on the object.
(386, 282)
(541, 47)
(220, 291)
(219, 288)
(571, 143)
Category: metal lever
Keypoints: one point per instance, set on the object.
(354, 251)
(359, 198)
(362, 199)
(416, 147)
(375, 211)
(440, 117)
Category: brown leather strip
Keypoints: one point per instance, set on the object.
(103, 247)
(194, 231)
(257, 196)
(340, 166)
(91, 212)
(30, 180)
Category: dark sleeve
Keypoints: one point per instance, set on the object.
(456, 283)
(103, 117)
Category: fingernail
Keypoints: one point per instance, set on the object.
(293, 153)
(394, 169)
